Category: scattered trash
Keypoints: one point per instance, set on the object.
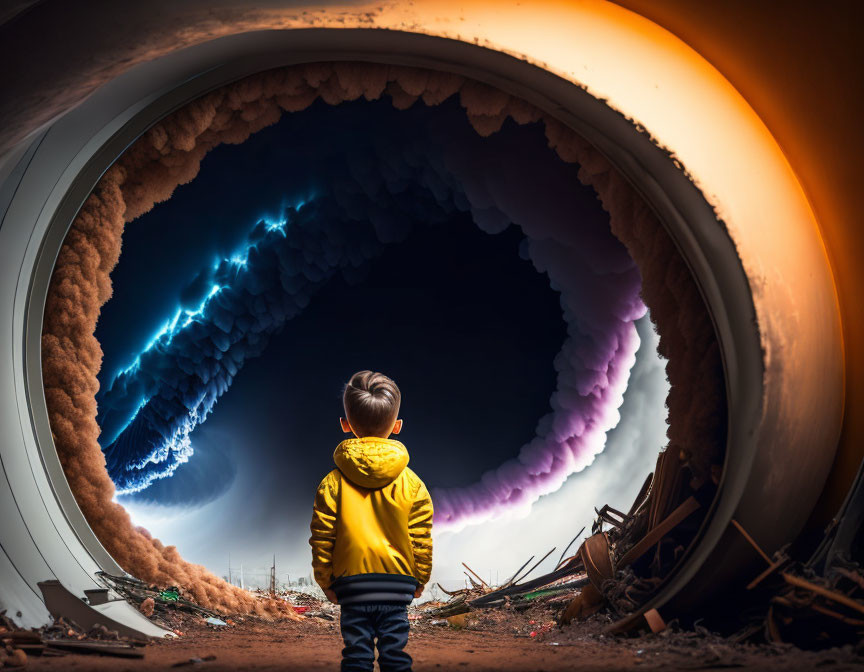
(618, 567)
(457, 621)
(321, 614)
(60, 638)
(302, 601)
(147, 607)
(164, 601)
(606, 582)
(171, 594)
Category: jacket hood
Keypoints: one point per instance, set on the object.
(371, 462)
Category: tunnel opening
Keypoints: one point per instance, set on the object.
(170, 153)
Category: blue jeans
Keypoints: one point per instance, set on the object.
(362, 624)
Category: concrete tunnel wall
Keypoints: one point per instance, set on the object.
(749, 285)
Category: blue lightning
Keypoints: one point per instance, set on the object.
(115, 398)
(151, 406)
(169, 329)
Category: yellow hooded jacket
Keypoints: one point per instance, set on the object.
(372, 515)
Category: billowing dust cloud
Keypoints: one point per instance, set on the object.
(170, 153)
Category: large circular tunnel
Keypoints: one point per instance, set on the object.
(673, 151)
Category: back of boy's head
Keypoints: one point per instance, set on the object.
(372, 403)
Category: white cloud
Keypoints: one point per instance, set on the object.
(496, 549)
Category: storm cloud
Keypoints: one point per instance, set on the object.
(592, 368)
(375, 198)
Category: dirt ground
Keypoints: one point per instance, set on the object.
(495, 642)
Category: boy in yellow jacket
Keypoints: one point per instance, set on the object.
(372, 528)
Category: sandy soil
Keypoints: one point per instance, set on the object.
(485, 644)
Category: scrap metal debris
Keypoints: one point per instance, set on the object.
(154, 602)
(629, 561)
(618, 568)
(806, 606)
(628, 557)
(553, 590)
(165, 606)
(818, 603)
(60, 638)
(609, 579)
(169, 608)
(308, 603)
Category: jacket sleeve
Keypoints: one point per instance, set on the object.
(420, 530)
(323, 529)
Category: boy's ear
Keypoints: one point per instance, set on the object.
(345, 426)
(397, 426)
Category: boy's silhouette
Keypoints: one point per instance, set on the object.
(371, 528)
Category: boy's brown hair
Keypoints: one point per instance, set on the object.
(372, 403)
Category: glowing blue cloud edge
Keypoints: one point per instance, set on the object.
(150, 407)
(178, 445)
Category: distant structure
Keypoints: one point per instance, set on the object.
(273, 576)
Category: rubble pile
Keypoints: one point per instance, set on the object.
(302, 602)
(168, 608)
(159, 605)
(697, 648)
(819, 603)
(615, 569)
(555, 589)
(605, 585)
(816, 610)
(61, 638)
(645, 545)
(620, 567)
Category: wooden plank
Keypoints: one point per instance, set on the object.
(839, 598)
(773, 567)
(475, 574)
(857, 622)
(561, 559)
(103, 648)
(512, 579)
(536, 565)
(528, 585)
(679, 515)
(751, 541)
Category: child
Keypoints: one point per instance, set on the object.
(371, 528)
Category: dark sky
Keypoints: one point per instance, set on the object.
(466, 327)
(470, 345)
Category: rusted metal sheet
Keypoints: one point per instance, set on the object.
(597, 559)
